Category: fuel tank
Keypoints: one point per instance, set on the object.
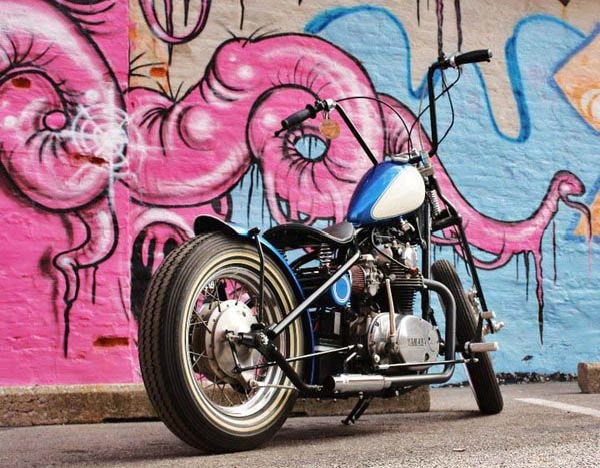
(388, 190)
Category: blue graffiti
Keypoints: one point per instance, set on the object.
(505, 174)
(537, 45)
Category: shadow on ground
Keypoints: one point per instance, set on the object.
(158, 444)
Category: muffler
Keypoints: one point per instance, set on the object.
(374, 383)
(354, 383)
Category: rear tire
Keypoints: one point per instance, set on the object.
(210, 280)
(481, 374)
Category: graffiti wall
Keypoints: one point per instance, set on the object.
(120, 122)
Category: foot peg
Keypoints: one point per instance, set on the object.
(471, 348)
(488, 315)
(496, 327)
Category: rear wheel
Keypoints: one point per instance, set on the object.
(481, 374)
(205, 288)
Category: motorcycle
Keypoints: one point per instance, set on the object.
(233, 331)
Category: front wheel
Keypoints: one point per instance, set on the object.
(206, 288)
(481, 374)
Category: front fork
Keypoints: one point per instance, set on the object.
(434, 220)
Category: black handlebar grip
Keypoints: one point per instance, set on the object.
(481, 55)
(300, 116)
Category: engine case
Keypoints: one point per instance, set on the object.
(415, 340)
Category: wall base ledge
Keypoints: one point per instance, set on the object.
(85, 404)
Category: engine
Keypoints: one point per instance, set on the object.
(384, 285)
(372, 305)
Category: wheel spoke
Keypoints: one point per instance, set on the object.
(222, 387)
(209, 290)
(229, 288)
(200, 321)
(198, 357)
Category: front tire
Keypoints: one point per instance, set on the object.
(481, 374)
(205, 287)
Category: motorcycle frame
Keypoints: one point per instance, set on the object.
(261, 339)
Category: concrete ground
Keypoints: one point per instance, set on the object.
(526, 433)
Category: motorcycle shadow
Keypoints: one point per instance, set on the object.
(300, 430)
(153, 442)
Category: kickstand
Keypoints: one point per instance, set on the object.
(361, 406)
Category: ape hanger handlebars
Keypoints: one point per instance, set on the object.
(453, 61)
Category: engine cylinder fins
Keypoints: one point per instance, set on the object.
(398, 270)
(404, 286)
(412, 282)
(404, 299)
(405, 290)
(325, 255)
(404, 277)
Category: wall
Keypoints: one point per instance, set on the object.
(119, 123)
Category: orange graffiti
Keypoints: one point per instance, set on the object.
(158, 72)
(579, 79)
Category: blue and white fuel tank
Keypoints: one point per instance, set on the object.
(388, 190)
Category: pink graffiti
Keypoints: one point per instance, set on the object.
(54, 126)
(167, 33)
(253, 103)
(67, 143)
(62, 134)
(196, 149)
(183, 153)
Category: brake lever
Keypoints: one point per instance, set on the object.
(326, 106)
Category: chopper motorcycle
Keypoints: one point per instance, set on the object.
(232, 332)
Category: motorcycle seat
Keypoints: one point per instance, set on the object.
(297, 235)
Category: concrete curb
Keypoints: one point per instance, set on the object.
(65, 404)
(69, 404)
(588, 377)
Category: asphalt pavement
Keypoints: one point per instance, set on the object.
(549, 424)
